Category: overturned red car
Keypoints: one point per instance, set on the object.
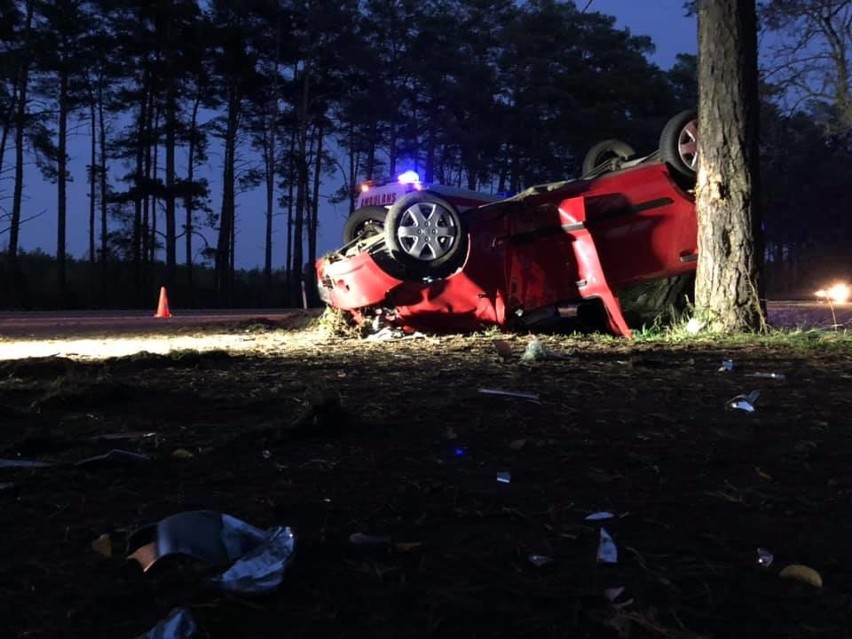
(553, 253)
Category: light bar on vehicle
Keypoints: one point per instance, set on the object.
(408, 177)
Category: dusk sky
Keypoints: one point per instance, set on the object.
(662, 20)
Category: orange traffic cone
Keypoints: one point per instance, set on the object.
(163, 305)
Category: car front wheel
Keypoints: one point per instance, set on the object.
(606, 156)
(425, 234)
(365, 222)
(679, 143)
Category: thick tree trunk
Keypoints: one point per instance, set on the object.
(61, 184)
(171, 225)
(189, 204)
(728, 290)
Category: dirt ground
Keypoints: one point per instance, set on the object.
(336, 436)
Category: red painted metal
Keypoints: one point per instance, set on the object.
(557, 244)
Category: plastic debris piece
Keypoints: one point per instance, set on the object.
(261, 569)
(214, 538)
(503, 349)
(607, 550)
(103, 545)
(727, 366)
(614, 593)
(764, 558)
(178, 625)
(805, 574)
(535, 351)
(540, 560)
(599, 516)
(361, 539)
(695, 326)
(779, 376)
(122, 436)
(504, 477)
(23, 463)
(518, 444)
(745, 402)
(532, 397)
(386, 334)
(113, 456)
(182, 453)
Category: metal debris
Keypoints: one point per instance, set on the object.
(362, 539)
(727, 366)
(744, 402)
(540, 560)
(778, 376)
(532, 397)
(113, 456)
(258, 557)
(504, 477)
(599, 516)
(178, 625)
(607, 550)
(23, 463)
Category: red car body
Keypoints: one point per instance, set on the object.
(544, 253)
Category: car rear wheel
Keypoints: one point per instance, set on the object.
(679, 143)
(606, 156)
(364, 223)
(424, 233)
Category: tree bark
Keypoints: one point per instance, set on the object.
(728, 286)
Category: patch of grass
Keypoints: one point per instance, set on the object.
(335, 322)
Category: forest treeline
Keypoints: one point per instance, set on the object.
(298, 99)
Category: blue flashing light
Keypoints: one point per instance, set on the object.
(408, 177)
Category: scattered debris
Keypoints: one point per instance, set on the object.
(607, 550)
(108, 437)
(103, 545)
(695, 326)
(23, 463)
(536, 351)
(764, 558)
(360, 539)
(504, 350)
(113, 456)
(258, 557)
(178, 625)
(388, 333)
(611, 594)
(779, 376)
(744, 402)
(727, 366)
(540, 560)
(532, 397)
(805, 574)
(504, 477)
(599, 516)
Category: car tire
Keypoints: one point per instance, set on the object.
(425, 234)
(679, 143)
(611, 152)
(365, 222)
